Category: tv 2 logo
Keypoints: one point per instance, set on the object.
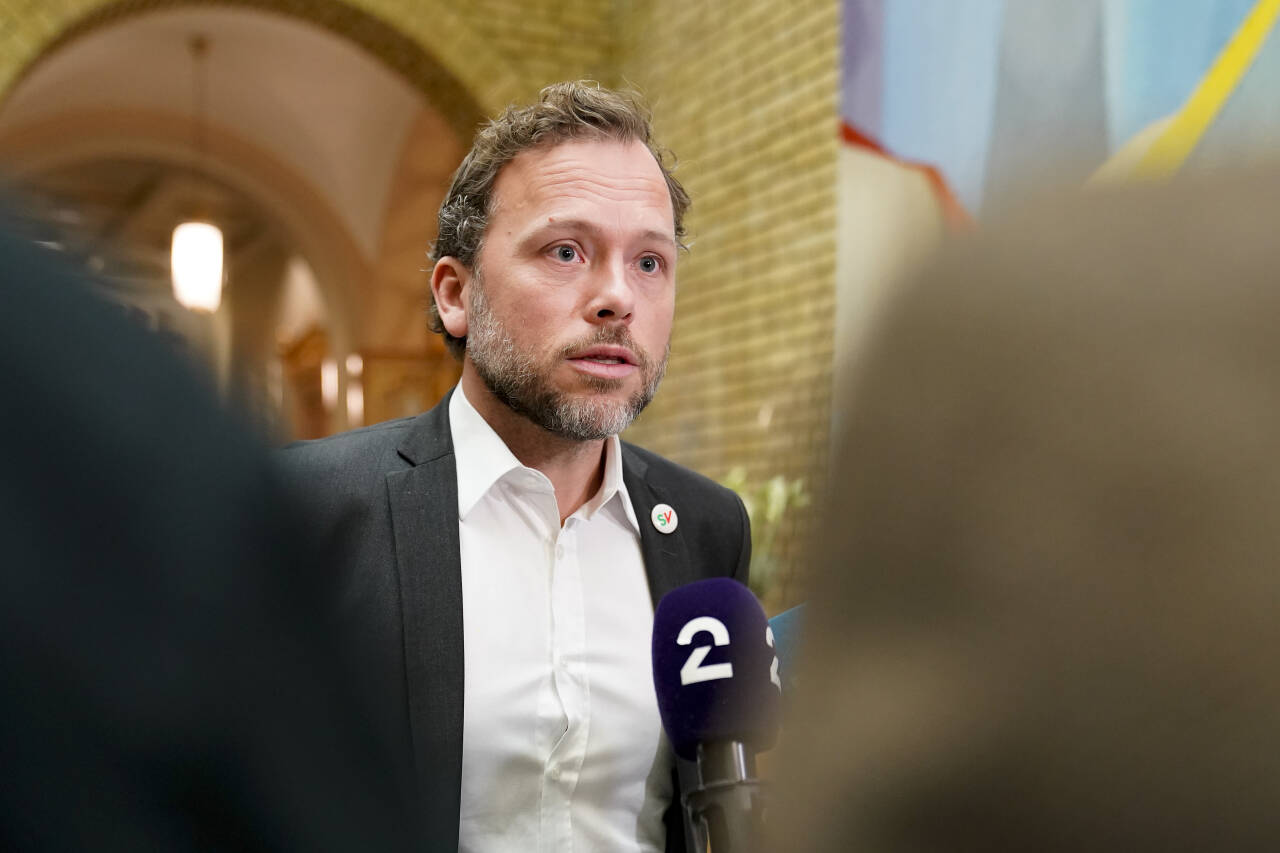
(695, 671)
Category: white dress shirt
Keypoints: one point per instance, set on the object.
(562, 745)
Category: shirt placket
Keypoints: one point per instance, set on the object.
(568, 631)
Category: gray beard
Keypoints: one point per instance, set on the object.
(515, 378)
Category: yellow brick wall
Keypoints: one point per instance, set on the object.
(547, 40)
(745, 92)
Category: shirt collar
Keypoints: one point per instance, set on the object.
(483, 458)
(613, 484)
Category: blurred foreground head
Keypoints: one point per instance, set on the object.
(173, 675)
(1047, 616)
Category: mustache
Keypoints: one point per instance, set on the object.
(618, 336)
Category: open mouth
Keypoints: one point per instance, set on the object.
(605, 355)
(604, 362)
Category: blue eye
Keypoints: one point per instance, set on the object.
(649, 263)
(566, 253)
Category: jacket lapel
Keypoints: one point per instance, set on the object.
(424, 516)
(666, 555)
(668, 565)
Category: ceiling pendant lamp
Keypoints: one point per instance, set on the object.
(196, 265)
(195, 259)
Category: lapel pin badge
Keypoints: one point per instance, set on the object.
(664, 518)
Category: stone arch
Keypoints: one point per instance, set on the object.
(306, 216)
(425, 41)
(346, 272)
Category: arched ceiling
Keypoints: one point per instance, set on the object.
(432, 43)
(315, 102)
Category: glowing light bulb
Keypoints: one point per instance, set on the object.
(196, 265)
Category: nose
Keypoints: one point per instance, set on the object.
(612, 297)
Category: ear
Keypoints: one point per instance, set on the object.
(449, 282)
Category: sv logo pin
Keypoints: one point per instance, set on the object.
(664, 518)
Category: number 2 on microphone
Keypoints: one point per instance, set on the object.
(694, 670)
(773, 668)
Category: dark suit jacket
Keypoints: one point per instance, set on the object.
(389, 493)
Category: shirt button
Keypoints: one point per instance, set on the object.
(559, 552)
(555, 774)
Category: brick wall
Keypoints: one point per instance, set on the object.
(745, 93)
(547, 40)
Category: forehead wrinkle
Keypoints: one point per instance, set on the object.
(551, 187)
(563, 205)
(569, 157)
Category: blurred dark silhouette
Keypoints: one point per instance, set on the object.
(1045, 614)
(169, 676)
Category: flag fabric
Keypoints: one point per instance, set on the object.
(988, 97)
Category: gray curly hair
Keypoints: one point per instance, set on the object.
(564, 111)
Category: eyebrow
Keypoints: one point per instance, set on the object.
(595, 230)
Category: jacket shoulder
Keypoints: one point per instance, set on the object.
(669, 476)
(346, 457)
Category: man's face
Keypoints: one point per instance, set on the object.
(569, 311)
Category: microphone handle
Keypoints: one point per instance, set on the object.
(729, 799)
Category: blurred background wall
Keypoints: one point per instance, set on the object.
(956, 112)
(827, 144)
(953, 113)
(329, 132)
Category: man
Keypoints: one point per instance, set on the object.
(505, 548)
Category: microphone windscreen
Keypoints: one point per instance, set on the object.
(788, 633)
(714, 667)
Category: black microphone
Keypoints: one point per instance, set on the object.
(718, 686)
